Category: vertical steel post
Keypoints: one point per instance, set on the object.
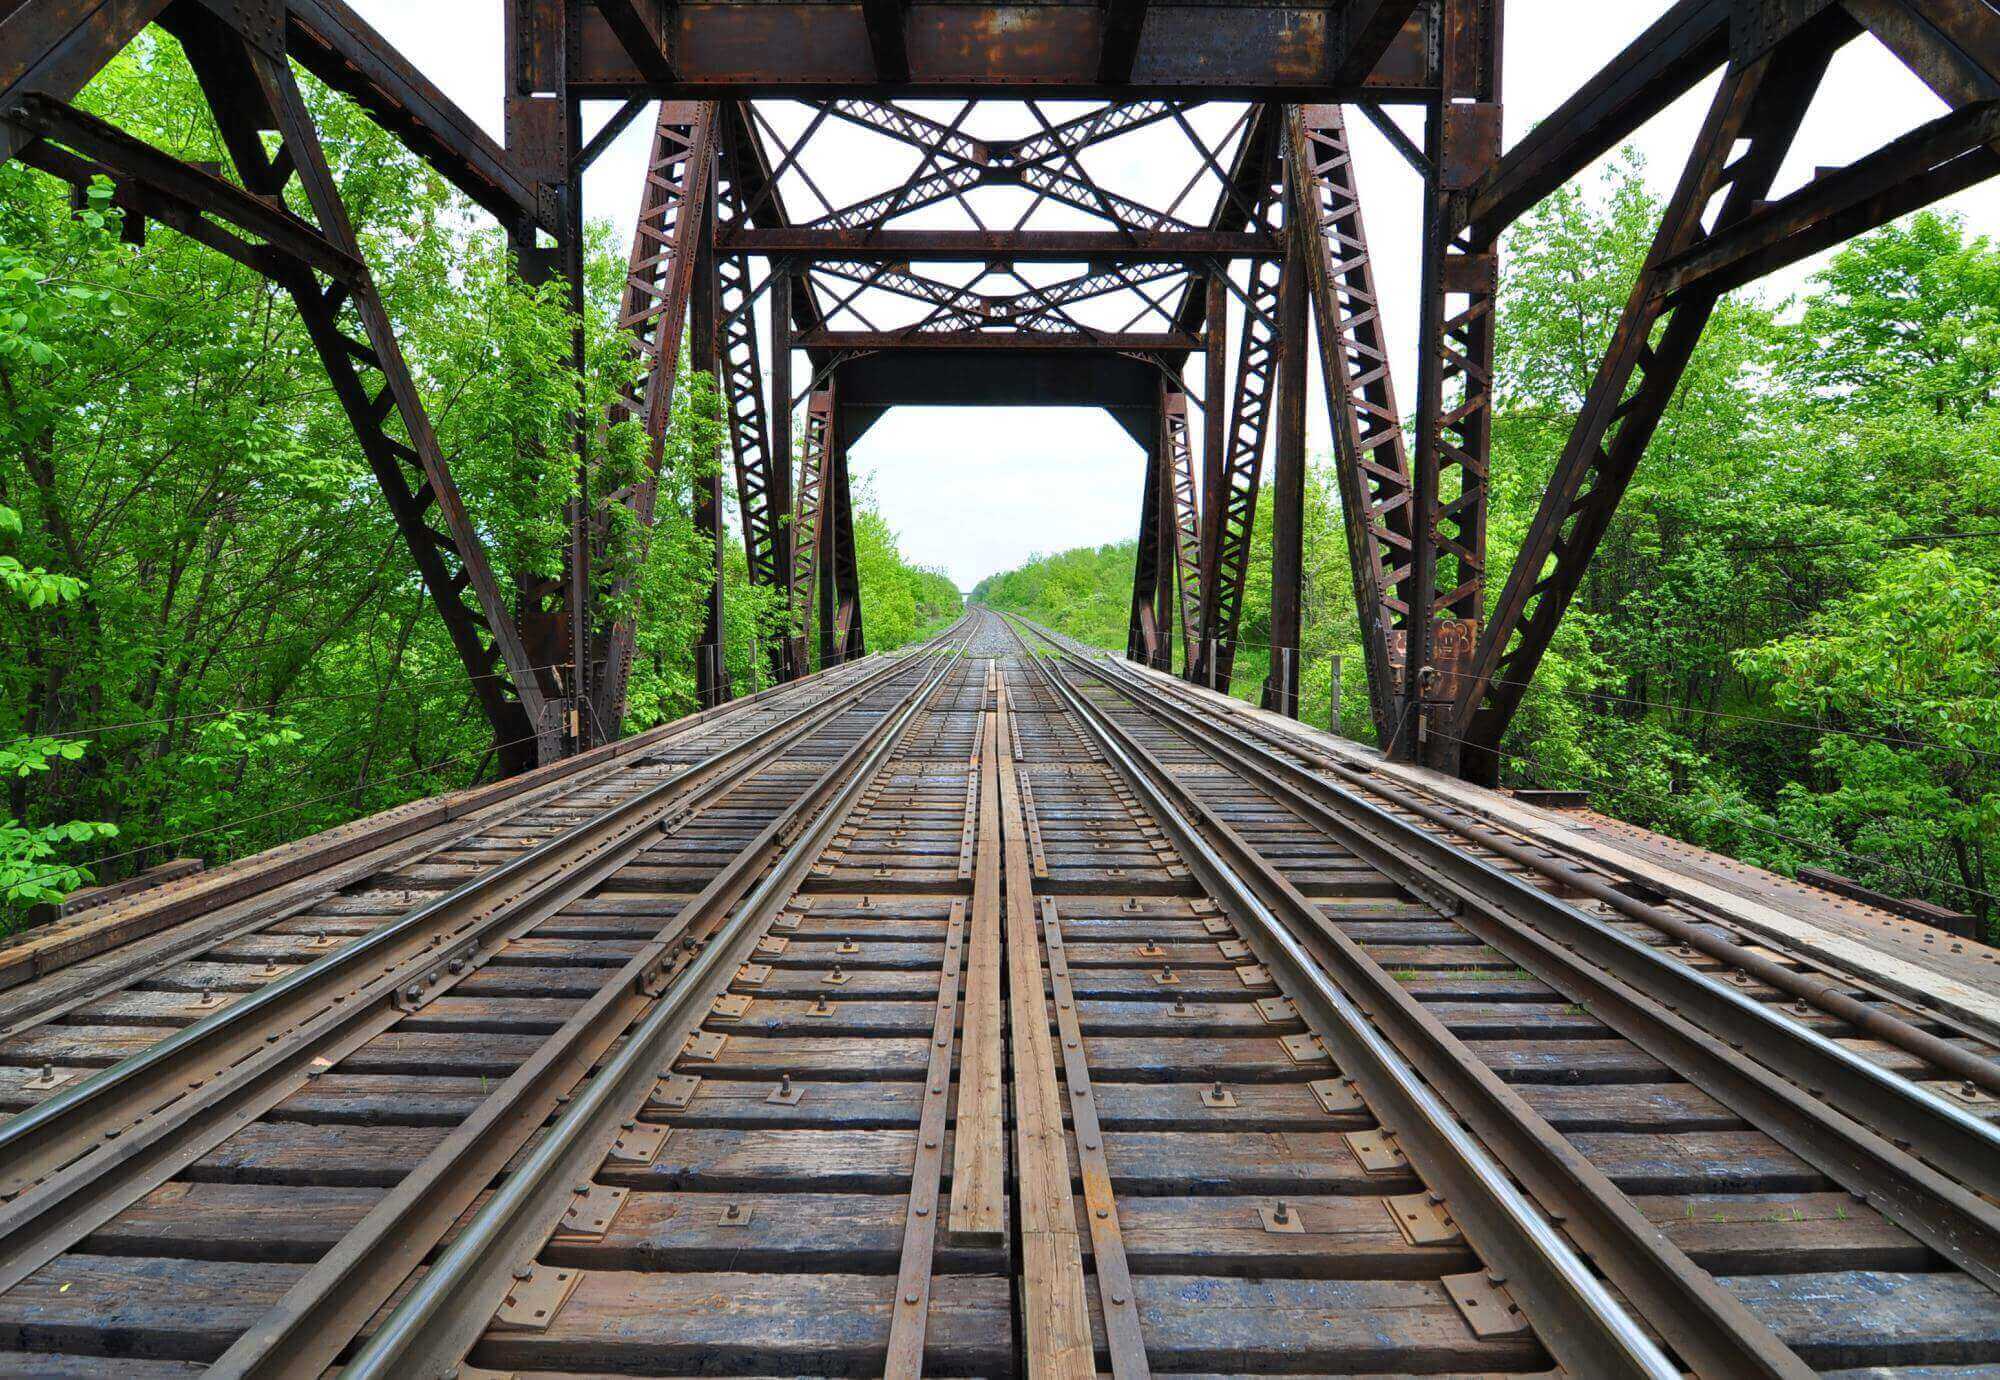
(712, 676)
(783, 452)
(1142, 628)
(1166, 555)
(1288, 481)
(1333, 699)
(1450, 470)
(541, 136)
(1214, 441)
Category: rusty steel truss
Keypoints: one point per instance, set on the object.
(973, 202)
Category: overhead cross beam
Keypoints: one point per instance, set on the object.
(1262, 50)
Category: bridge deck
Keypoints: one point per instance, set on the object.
(980, 1013)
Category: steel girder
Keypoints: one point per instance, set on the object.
(1183, 494)
(1370, 458)
(542, 121)
(809, 520)
(1450, 472)
(1229, 510)
(842, 637)
(1288, 476)
(1149, 636)
(1267, 49)
(653, 313)
(711, 660)
(49, 50)
(1749, 130)
(253, 94)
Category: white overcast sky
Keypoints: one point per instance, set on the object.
(980, 490)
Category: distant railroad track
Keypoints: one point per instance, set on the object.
(992, 1009)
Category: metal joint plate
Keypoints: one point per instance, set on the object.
(1376, 1152)
(639, 1143)
(1471, 143)
(531, 1304)
(674, 1092)
(1488, 1308)
(1337, 1095)
(1277, 1010)
(1758, 26)
(1422, 1220)
(1281, 1219)
(704, 1045)
(261, 22)
(590, 1213)
(1304, 1049)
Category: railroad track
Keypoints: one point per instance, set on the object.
(993, 1010)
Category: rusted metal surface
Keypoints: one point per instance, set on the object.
(1371, 458)
(674, 214)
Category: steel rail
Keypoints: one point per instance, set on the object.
(444, 1313)
(1817, 1098)
(256, 1065)
(265, 910)
(1577, 1318)
(306, 1330)
(1580, 872)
